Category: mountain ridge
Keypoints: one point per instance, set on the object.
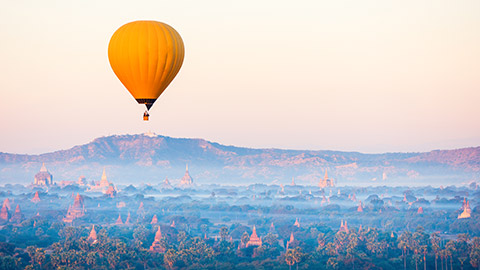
(145, 156)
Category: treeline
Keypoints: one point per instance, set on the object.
(313, 247)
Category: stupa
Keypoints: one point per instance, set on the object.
(360, 208)
(4, 214)
(291, 243)
(154, 220)
(76, 210)
(119, 220)
(127, 222)
(157, 245)
(187, 180)
(254, 239)
(17, 216)
(43, 177)
(166, 184)
(36, 198)
(344, 227)
(92, 237)
(297, 223)
(420, 210)
(467, 211)
(325, 182)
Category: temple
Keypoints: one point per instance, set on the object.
(293, 181)
(166, 184)
(291, 243)
(325, 182)
(254, 239)
(36, 198)
(420, 210)
(157, 245)
(127, 222)
(43, 177)
(467, 211)
(154, 220)
(17, 216)
(344, 227)
(360, 208)
(119, 220)
(4, 214)
(173, 224)
(92, 237)
(186, 180)
(297, 223)
(76, 210)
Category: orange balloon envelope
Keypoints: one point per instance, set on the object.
(146, 56)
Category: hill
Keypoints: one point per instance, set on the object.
(147, 158)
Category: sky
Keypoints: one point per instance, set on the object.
(368, 76)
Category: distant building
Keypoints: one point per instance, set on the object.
(187, 180)
(76, 210)
(43, 177)
(360, 208)
(291, 243)
(293, 181)
(127, 222)
(325, 182)
(467, 211)
(344, 227)
(254, 239)
(297, 223)
(420, 210)
(18, 215)
(102, 185)
(166, 184)
(4, 214)
(82, 181)
(36, 198)
(154, 220)
(92, 237)
(119, 220)
(157, 244)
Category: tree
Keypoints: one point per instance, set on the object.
(290, 257)
(223, 233)
(435, 244)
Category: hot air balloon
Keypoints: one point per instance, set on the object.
(146, 56)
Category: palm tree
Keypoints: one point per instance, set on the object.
(435, 242)
(290, 257)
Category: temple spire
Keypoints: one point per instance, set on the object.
(43, 169)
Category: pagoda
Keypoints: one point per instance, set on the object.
(360, 208)
(297, 223)
(187, 180)
(92, 237)
(43, 177)
(291, 242)
(127, 222)
(173, 224)
(166, 184)
(254, 239)
(293, 181)
(344, 227)
(36, 198)
(467, 211)
(154, 220)
(141, 209)
(76, 210)
(420, 210)
(157, 244)
(4, 214)
(272, 229)
(325, 182)
(111, 191)
(6, 203)
(119, 220)
(17, 216)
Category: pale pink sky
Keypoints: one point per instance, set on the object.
(369, 76)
